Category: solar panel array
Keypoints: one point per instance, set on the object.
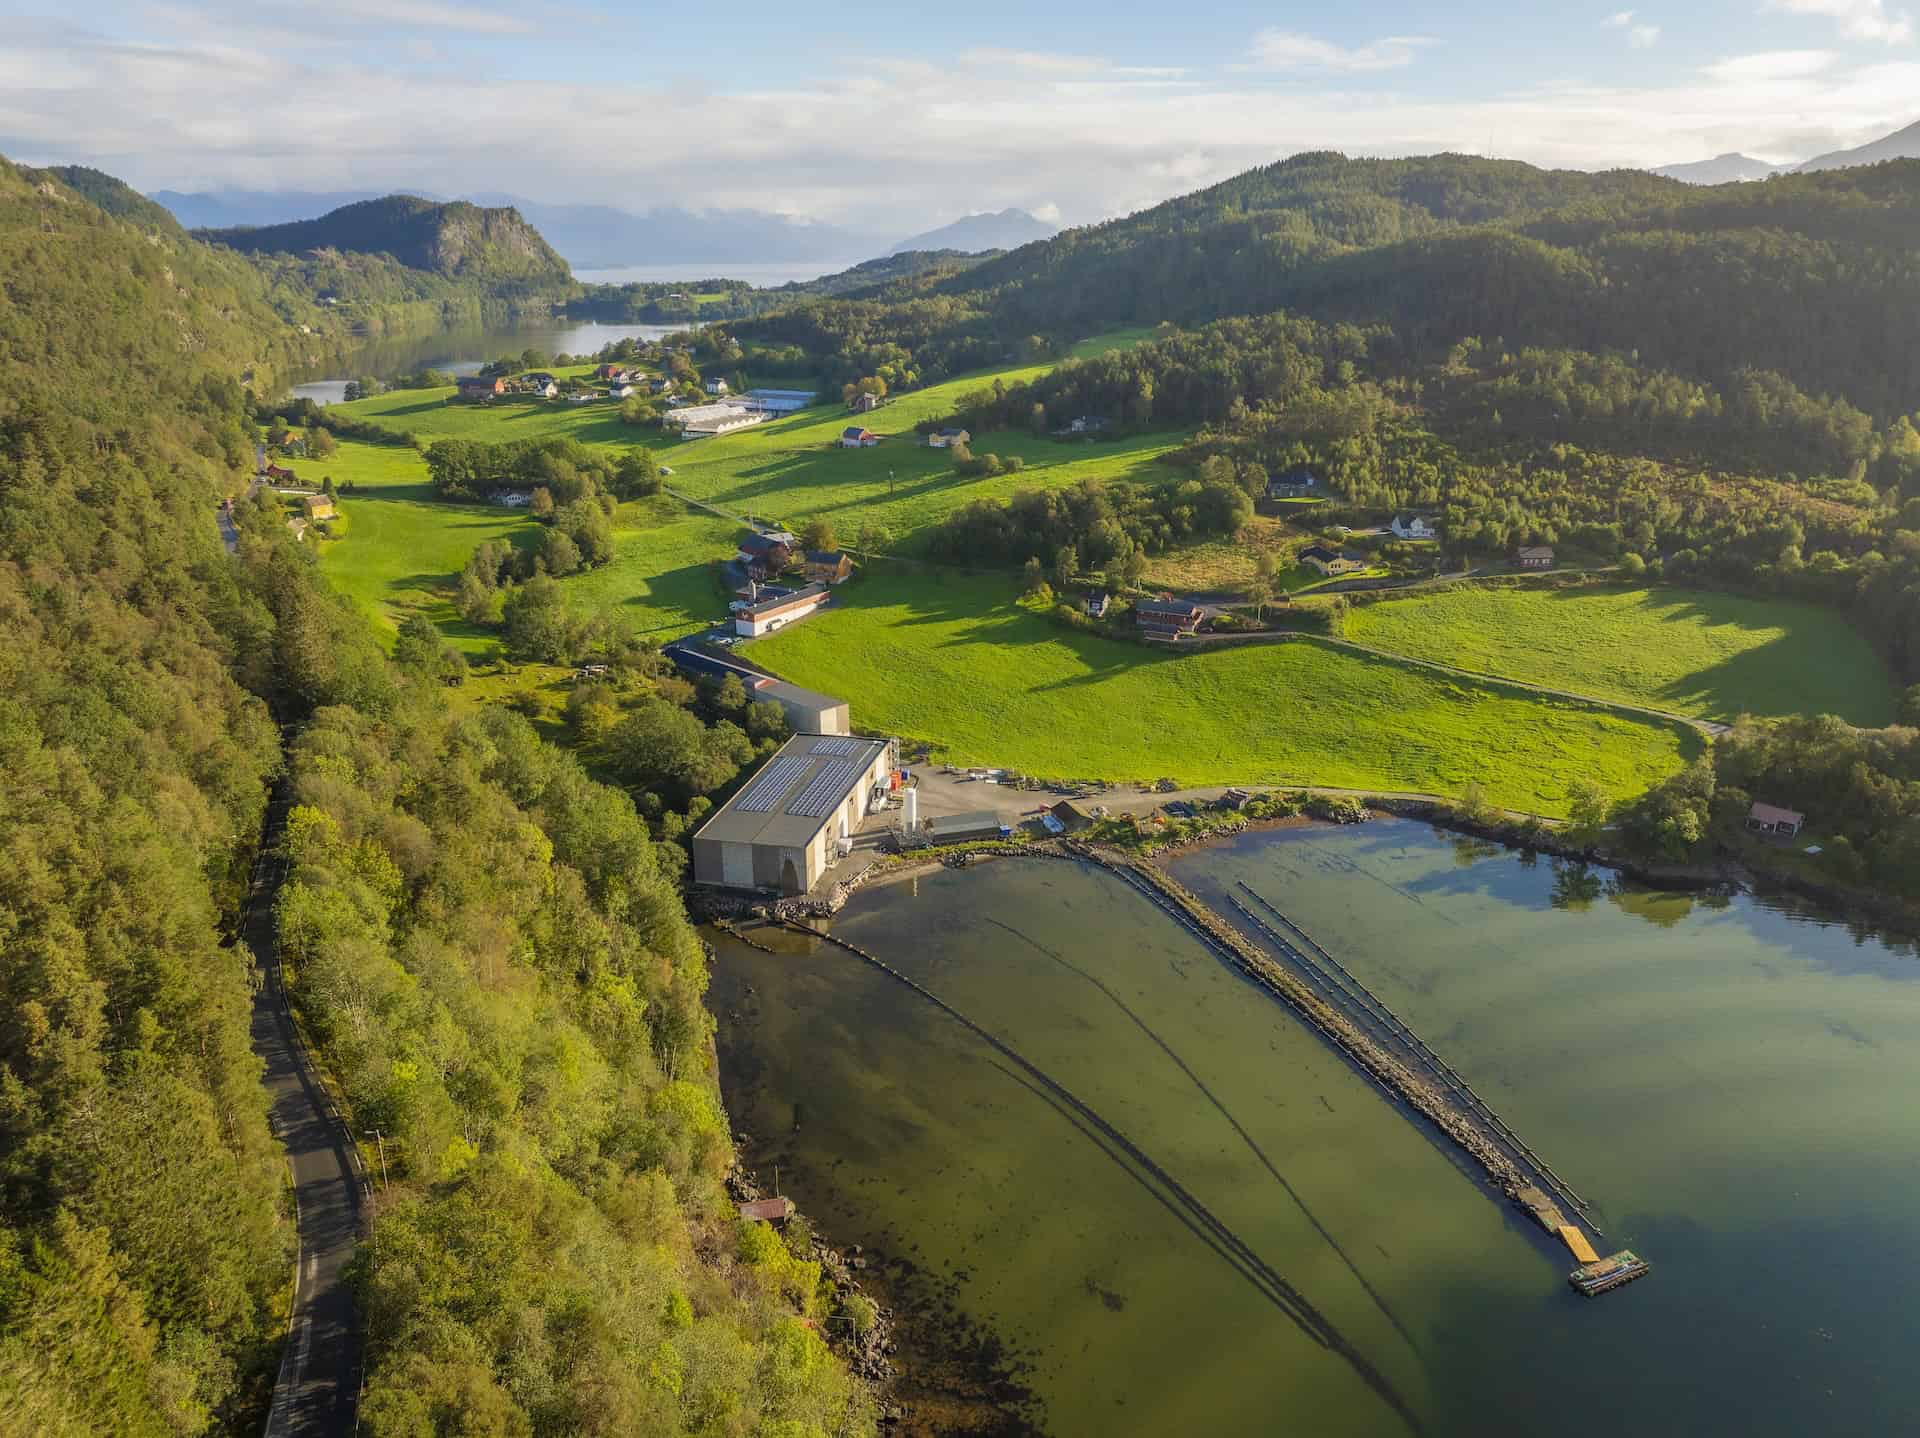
(837, 746)
(826, 791)
(766, 790)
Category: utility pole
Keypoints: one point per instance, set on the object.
(380, 1143)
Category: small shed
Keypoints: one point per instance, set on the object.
(318, 506)
(855, 437)
(1069, 816)
(1773, 820)
(767, 1210)
(966, 828)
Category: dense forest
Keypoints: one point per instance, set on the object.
(489, 944)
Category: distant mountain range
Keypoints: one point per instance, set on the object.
(1900, 145)
(1733, 167)
(1006, 230)
(1720, 170)
(603, 237)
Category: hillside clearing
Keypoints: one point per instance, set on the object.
(1703, 654)
(954, 661)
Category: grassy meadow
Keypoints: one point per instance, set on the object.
(954, 660)
(793, 469)
(398, 549)
(1708, 655)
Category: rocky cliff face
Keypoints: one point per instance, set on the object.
(458, 240)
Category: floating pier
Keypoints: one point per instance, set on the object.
(1296, 969)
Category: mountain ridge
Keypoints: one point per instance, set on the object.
(456, 239)
(1006, 229)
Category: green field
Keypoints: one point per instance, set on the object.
(791, 470)
(1710, 655)
(400, 550)
(954, 661)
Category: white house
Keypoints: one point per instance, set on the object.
(620, 389)
(1412, 526)
(716, 386)
(854, 437)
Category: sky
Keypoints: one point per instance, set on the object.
(894, 119)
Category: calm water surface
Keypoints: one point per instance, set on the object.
(463, 351)
(1731, 1084)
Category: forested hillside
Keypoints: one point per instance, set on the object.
(485, 941)
(453, 239)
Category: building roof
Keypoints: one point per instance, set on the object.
(1536, 551)
(777, 806)
(970, 822)
(469, 381)
(829, 557)
(1325, 555)
(854, 431)
(761, 544)
(1773, 814)
(799, 599)
(1171, 608)
(800, 394)
(768, 1210)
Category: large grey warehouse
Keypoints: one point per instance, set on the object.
(786, 827)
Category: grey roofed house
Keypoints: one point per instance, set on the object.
(1296, 483)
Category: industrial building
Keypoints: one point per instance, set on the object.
(703, 421)
(796, 818)
(807, 712)
(779, 401)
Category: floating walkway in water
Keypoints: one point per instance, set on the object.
(1292, 966)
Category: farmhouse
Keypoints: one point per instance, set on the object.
(1412, 526)
(473, 386)
(854, 437)
(1769, 819)
(1537, 556)
(318, 506)
(943, 438)
(778, 401)
(765, 555)
(1167, 619)
(1330, 561)
(280, 476)
(796, 818)
(829, 566)
(703, 421)
(865, 403)
(619, 389)
(716, 386)
(546, 389)
(1296, 483)
(768, 615)
(1096, 606)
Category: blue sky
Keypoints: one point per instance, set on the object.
(896, 117)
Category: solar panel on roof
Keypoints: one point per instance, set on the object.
(826, 791)
(837, 746)
(765, 791)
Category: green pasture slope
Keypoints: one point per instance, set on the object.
(793, 469)
(953, 660)
(401, 550)
(1708, 655)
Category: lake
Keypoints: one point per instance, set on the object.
(464, 350)
(1729, 1081)
(760, 276)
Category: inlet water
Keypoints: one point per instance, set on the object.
(1729, 1082)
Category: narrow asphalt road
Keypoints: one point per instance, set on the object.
(318, 1387)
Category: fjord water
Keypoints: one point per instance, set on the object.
(1730, 1083)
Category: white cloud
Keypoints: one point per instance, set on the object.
(880, 144)
(1048, 214)
(1275, 49)
(1859, 19)
(1772, 65)
(428, 14)
(1640, 36)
